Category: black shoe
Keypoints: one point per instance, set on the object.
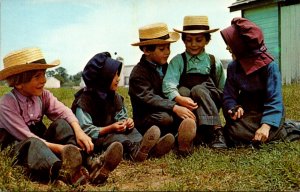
(218, 141)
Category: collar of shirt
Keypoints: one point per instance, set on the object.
(31, 109)
(199, 57)
(157, 67)
(21, 97)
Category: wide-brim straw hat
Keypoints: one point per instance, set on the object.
(24, 60)
(156, 33)
(196, 24)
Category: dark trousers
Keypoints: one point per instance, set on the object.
(208, 99)
(34, 154)
(166, 122)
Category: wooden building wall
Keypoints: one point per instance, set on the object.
(290, 43)
(266, 17)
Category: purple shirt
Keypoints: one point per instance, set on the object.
(17, 112)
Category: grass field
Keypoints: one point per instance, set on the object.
(273, 167)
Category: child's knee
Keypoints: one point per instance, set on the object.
(166, 119)
(184, 91)
(199, 92)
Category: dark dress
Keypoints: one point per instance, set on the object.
(260, 95)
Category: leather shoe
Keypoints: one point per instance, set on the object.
(218, 141)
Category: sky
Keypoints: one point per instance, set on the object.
(75, 30)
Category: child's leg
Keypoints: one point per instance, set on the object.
(165, 121)
(208, 113)
(34, 154)
(60, 132)
(184, 91)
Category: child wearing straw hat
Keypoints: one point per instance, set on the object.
(195, 80)
(47, 152)
(150, 106)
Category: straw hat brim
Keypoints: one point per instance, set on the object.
(173, 38)
(16, 69)
(196, 31)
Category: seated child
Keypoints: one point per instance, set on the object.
(195, 80)
(150, 106)
(103, 116)
(253, 105)
(46, 152)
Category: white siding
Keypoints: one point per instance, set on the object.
(52, 82)
(290, 43)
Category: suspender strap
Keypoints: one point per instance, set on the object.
(213, 69)
(184, 62)
(212, 66)
(21, 111)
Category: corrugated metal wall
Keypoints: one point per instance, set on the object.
(266, 17)
(290, 43)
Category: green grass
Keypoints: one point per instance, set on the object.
(273, 167)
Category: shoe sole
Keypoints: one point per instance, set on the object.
(186, 135)
(71, 162)
(149, 140)
(112, 157)
(164, 145)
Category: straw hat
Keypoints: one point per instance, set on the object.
(24, 60)
(195, 24)
(156, 33)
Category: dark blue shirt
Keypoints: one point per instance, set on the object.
(260, 91)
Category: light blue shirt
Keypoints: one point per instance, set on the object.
(196, 64)
(86, 122)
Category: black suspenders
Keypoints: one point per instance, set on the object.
(212, 66)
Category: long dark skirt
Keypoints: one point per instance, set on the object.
(242, 131)
(130, 141)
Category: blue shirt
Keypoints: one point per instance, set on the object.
(265, 85)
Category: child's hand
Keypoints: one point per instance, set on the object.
(262, 134)
(129, 123)
(236, 113)
(183, 112)
(186, 102)
(119, 126)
